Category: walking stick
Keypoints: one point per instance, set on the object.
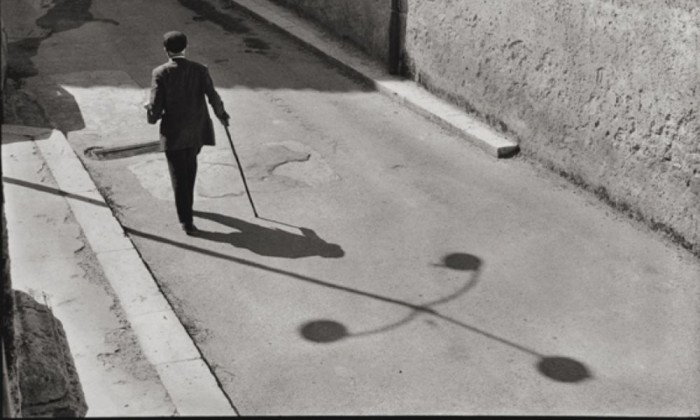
(240, 168)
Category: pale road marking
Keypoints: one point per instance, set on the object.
(405, 92)
(192, 387)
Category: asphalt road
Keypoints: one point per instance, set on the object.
(395, 268)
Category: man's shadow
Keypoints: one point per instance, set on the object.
(269, 242)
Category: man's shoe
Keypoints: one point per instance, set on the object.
(190, 229)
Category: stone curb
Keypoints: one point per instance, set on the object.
(186, 377)
(405, 92)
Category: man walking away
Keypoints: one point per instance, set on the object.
(178, 90)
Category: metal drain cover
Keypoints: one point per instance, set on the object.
(107, 153)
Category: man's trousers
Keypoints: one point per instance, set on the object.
(183, 171)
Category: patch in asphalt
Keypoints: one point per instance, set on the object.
(312, 171)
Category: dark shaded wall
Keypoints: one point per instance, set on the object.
(365, 23)
(605, 92)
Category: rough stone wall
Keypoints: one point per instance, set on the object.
(604, 91)
(48, 381)
(364, 23)
(9, 352)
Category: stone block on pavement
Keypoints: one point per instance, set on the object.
(49, 383)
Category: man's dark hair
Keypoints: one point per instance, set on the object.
(174, 41)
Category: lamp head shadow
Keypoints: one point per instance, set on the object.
(323, 331)
(461, 261)
(563, 369)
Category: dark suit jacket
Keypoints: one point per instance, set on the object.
(178, 90)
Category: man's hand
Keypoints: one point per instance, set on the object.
(146, 105)
(224, 119)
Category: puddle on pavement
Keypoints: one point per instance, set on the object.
(206, 11)
(274, 167)
(256, 43)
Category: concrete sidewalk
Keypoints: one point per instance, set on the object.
(132, 354)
